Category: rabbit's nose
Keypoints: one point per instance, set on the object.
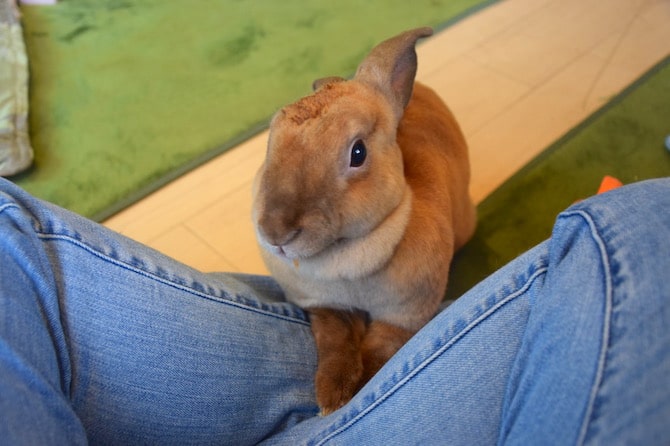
(277, 231)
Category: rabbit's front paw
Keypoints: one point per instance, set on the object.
(336, 383)
(338, 337)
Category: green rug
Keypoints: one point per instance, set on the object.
(126, 95)
(625, 139)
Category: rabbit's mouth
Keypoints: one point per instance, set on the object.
(296, 250)
(280, 251)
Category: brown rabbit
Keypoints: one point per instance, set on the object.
(358, 208)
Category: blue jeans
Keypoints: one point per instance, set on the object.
(106, 341)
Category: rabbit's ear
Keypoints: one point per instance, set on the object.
(326, 80)
(391, 67)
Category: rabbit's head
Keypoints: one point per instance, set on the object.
(333, 170)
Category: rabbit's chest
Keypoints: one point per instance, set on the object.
(368, 294)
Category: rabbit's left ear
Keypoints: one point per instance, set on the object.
(391, 67)
(326, 80)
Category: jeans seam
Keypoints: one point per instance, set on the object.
(436, 354)
(152, 276)
(6, 206)
(602, 357)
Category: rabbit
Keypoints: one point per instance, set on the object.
(358, 208)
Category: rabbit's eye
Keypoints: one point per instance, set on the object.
(358, 154)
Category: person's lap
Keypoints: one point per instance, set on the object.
(143, 347)
(104, 338)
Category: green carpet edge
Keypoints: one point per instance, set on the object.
(556, 145)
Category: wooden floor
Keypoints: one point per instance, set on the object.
(517, 75)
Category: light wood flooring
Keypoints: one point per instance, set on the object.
(517, 75)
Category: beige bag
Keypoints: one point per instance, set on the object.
(16, 154)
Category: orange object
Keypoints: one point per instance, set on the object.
(608, 183)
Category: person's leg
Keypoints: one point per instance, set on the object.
(102, 338)
(594, 365)
(567, 344)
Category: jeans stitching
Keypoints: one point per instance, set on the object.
(606, 321)
(7, 206)
(152, 276)
(426, 362)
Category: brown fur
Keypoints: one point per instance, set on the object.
(365, 249)
(338, 335)
(311, 107)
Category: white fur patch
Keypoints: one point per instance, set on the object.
(356, 258)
